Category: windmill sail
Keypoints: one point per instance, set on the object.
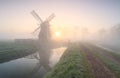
(50, 17)
(36, 16)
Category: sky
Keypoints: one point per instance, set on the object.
(71, 15)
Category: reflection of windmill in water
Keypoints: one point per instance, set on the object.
(44, 42)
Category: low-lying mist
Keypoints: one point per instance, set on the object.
(107, 38)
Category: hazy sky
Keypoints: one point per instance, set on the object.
(16, 20)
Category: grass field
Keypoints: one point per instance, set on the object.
(71, 65)
(86, 61)
(80, 60)
(12, 50)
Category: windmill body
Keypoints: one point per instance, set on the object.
(43, 46)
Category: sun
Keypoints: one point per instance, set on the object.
(57, 34)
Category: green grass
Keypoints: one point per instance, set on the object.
(71, 65)
(115, 55)
(12, 50)
(113, 66)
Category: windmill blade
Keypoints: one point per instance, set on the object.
(36, 16)
(50, 17)
(36, 29)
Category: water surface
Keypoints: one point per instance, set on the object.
(19, 67)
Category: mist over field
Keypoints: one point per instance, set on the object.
(59, 39)
(108, 38)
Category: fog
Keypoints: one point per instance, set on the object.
(58, 23)
(107, 38)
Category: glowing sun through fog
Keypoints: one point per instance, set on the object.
(57, 34)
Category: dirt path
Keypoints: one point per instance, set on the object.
(99, 70)
(104, 53)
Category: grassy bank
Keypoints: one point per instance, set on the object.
(71, 65)
(12, 50)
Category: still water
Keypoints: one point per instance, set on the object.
(19, 67)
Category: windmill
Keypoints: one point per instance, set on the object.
(44, 38)
(44, 34)
(36, 16)
(28, 46)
